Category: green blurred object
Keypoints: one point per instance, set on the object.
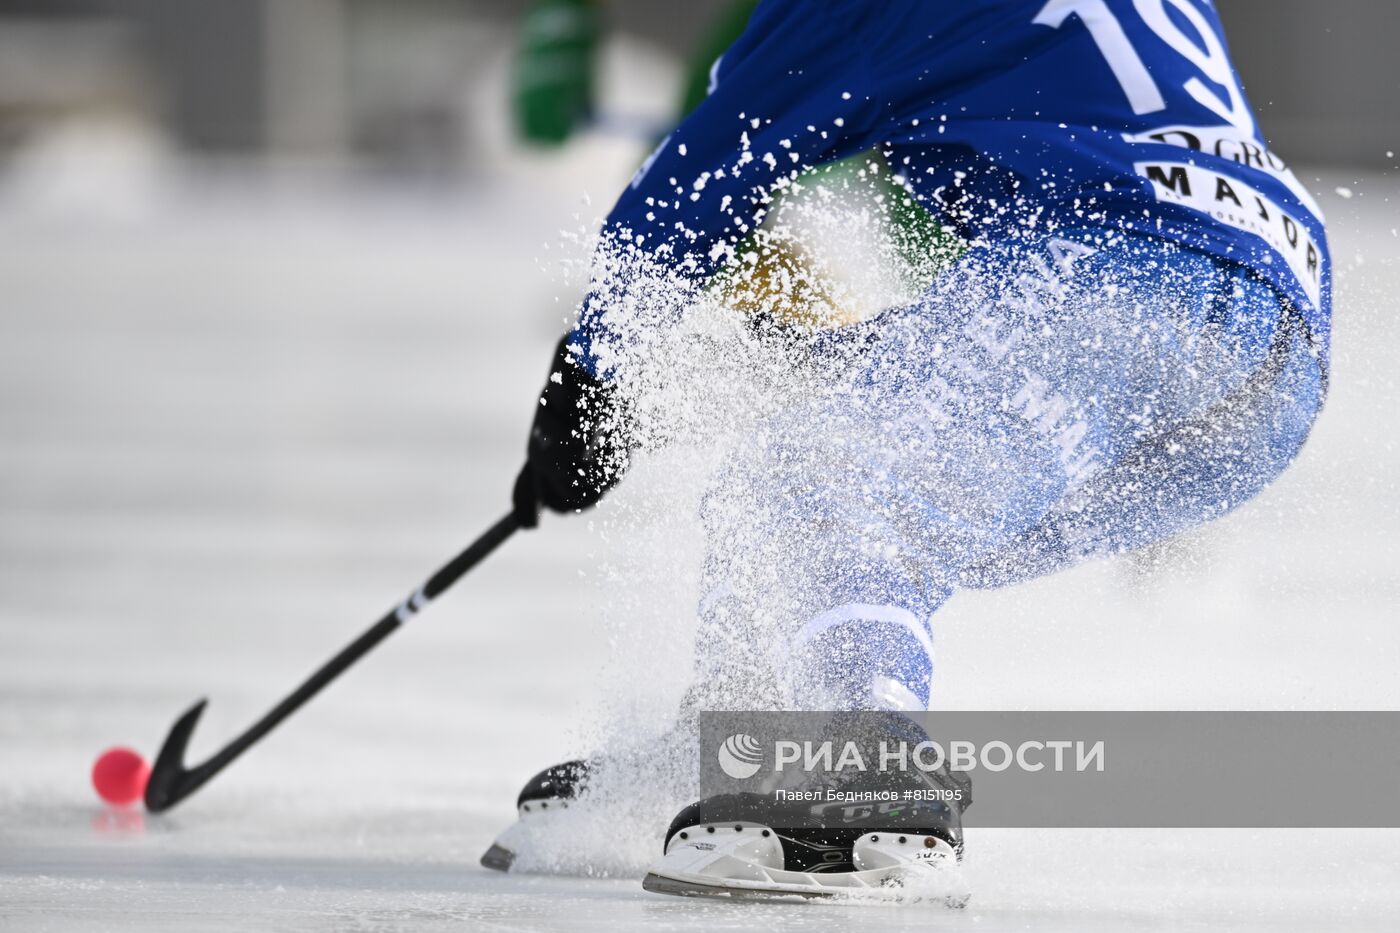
(552, 93)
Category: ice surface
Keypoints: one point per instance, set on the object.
(238, 423)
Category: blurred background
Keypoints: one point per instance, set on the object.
(278, 282)
(394, 84)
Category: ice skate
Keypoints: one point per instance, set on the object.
(750, 846)
(824, 836)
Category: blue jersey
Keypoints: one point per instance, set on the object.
(1002, 117)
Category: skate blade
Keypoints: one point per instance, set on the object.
(749, 863)
(497, 858)
(660, 884)
(892, 892)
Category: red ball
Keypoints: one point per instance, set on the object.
(120, 776)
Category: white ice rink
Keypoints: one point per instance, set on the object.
(239, 418)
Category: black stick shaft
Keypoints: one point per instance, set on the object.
(171, 781)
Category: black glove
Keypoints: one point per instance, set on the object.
(574, 455)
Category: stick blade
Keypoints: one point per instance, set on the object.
(168, 785)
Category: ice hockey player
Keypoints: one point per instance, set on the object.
(1134, 342)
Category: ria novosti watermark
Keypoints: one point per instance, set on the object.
(1072, 769)
(740, 756)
